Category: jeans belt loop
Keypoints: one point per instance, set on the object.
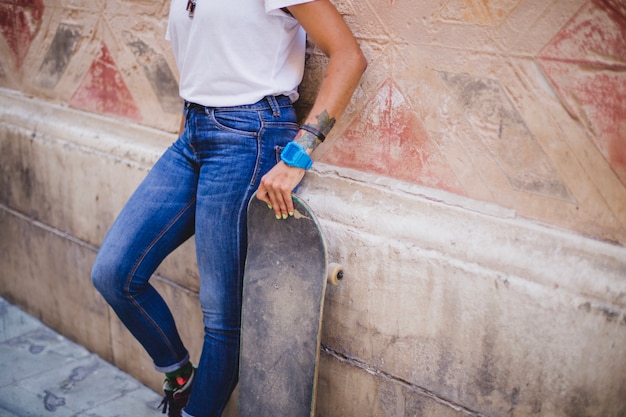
(273, 105)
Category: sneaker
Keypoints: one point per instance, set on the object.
(177, 394)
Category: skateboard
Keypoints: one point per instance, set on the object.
(285, 279)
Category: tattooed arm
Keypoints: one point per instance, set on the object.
(327, 29)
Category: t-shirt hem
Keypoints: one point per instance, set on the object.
(271, 5)
(236, 100)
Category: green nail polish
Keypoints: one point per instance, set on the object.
(269, 206)
(284, 217)
(291, 213)
(278, 217)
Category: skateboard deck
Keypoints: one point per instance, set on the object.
(283, 294)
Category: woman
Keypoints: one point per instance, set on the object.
(240, 63)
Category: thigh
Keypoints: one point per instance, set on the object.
(157, 218)
(229, 158)
(238, 148)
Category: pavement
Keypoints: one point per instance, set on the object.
(44, 374)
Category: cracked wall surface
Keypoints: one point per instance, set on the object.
(475, 190)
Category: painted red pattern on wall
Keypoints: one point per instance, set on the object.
(617, 7)
(388, 138)
(104, 91)
(603, 99)
(586, 63)
(19, 22)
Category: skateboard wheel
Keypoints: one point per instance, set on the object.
(335, 274)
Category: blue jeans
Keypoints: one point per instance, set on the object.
(201, 185)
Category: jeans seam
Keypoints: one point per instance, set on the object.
(259, 150)
(131, 274)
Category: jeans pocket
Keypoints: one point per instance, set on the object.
(243, 122)
(278, 150)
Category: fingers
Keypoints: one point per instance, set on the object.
(276, 187)
(281, 203)
(276, 201)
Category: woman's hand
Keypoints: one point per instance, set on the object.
(276, 187)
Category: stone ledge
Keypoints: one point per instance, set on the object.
(121, 139)
(474, 233)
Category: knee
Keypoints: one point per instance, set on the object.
(222, 323)
(104, 277)
(99, 278)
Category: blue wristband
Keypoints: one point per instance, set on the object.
(294, 155)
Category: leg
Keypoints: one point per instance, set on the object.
(241, 149)
(157, 219)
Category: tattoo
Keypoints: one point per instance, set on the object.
(324, 124)
(307, 140)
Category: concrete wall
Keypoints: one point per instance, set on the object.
(475, 192)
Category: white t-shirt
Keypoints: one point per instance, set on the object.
(235, 52)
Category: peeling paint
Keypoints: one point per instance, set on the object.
(19, 23)
(389, 139)
(59, 55)
(104, 91)
(158, 73)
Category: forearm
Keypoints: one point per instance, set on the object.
(341, 79)
(345, 66)
(346, 63)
